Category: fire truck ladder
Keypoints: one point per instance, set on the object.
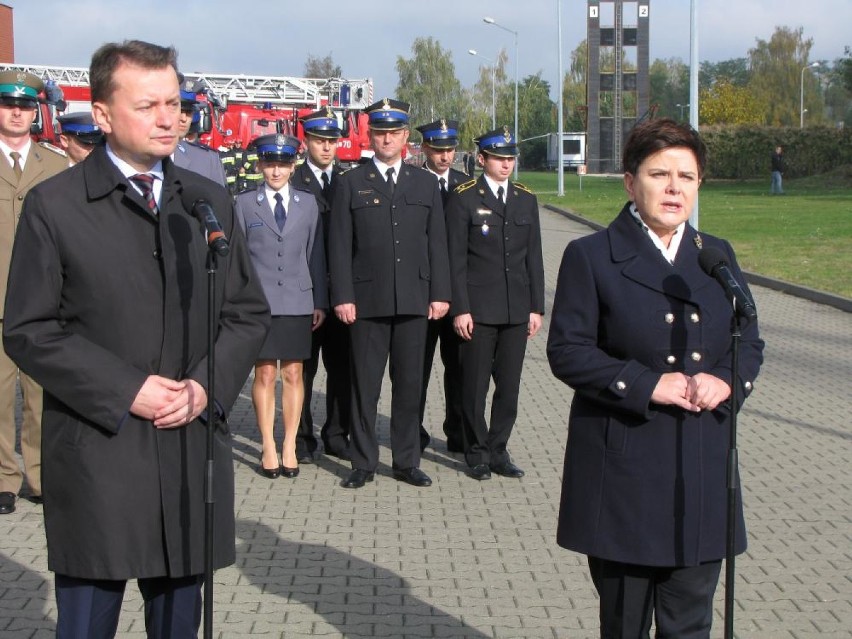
(68, 76)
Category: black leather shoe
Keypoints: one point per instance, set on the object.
(304, 457)
(36, 499)
(270, 473)
(507, 469)
(7, 503)
(413, 476)
(357, 478)
(480, 472)
(290, 473)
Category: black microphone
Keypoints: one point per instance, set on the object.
(194, 201)
(715, 264)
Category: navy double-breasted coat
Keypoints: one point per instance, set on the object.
(644, 483)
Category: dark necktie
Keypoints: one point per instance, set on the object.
(145, 182)
(391, 183)
(16, 164)
(443, 183)
(280, 213)
(325, 184)
(500, 199)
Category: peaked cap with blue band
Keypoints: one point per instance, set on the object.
(81, 125)
(277, 147)
(321, 124)
(499, 142)
(20, 88)
(441, 134)
(388, 114)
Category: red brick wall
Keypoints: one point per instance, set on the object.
(7, 34)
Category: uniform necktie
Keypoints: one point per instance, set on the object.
(280, 213)
(443, 183)
(145, 182)
(16, 164)
(391, 183)
(500, 193)
(325, 184)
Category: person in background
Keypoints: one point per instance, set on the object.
(643, 336)
(23, 165)
(79, 135)
(114, 324)
(190, 155)
(778, 168)
(319, 173)
(440, 139)
(498, 298)
(389, 276)
(284, 233)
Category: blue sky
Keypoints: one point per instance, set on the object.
(274, 37)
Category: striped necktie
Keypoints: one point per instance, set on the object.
(145, 182)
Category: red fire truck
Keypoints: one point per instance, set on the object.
(234, 107)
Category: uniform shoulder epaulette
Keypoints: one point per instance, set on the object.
(464, 186)
(50, 147)
(521, 187)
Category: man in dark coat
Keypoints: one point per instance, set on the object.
(440, 139)
(498, 298)
(113, 324)
(319, 173)
(389, 275)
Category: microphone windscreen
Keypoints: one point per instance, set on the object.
(711, 257)
(191, 194)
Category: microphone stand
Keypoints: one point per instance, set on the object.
(730, 570)
(212, 266)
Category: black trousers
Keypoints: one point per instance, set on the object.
(332, 340)
(443, 329)
(679, 600)
(494, 351)
(400, 339)
(89, 608)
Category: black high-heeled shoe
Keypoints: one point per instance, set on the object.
(269, 473)
(290, 473)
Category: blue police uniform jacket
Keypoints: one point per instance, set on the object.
(290, 262)
(644, 483)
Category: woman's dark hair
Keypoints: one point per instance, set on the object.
(136, 52)
(651, 136)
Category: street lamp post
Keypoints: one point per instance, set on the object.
(493, 87)
(488, 20)
(682, 107)
(812, 65)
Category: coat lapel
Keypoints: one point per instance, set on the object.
(263, 210)
(6, 172)
(33, 169)
(644, 264)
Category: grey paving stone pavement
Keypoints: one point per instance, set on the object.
(478, 559)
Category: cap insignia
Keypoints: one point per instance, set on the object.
(443, 125)
(506, 135)
(698, 243)
(280, 140)
(386, 104)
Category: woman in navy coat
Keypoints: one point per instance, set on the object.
(643, 337)
(284, 233)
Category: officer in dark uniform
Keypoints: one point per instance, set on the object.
(318, 173)
(498, 297)
(440, 139)
(79, 135)
(389, 276)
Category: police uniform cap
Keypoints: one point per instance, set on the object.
(441, 134)
(18, 88)
(388, 114)
(321, 124)
(82, 126)
(187, 93)
(277, 147)
(498, 142)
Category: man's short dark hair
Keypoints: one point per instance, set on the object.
(135, 52)
(651, 136)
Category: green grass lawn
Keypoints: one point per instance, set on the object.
(804, 236)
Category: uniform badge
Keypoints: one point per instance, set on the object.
(482, 191)
(506, 135)
(295, 198)
(483, 211)
(485, 229)
(260, 197)
(443, 126)
(280, 140)
(386, 104)
(698, 243)
(328, 112)
(376, 201)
